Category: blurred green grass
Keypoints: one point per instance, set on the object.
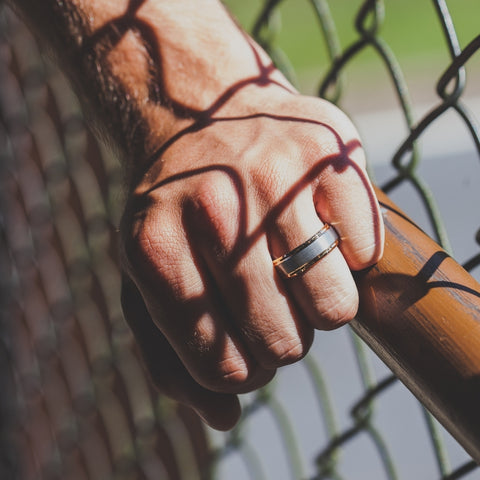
(411, 28)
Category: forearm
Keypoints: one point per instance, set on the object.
(147, 69)
(230, 170)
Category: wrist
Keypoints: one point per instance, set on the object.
(147, 70)
(174, 70)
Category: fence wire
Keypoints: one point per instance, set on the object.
(76, 403)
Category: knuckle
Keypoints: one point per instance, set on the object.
(141, 244)
(271, 178)
(228, 375)
(366, 256)
(137, 245)
(150, 246)
(218, 365)
(282, 351)
(340, 310)
(214, 194)
(215, 211)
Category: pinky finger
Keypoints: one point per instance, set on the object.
(219, 410)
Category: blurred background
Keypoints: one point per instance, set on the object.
(76, 403)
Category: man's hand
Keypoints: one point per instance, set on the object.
(201, 230)
(227, 168)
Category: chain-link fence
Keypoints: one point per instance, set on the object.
(76, 403)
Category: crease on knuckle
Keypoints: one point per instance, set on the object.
(283, 351)
(227, 375)
(341, 310)
(365, 256)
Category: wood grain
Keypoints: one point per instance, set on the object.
(420, 312)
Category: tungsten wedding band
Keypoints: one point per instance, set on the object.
(303, 257)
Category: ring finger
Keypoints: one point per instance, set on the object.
(326, 291)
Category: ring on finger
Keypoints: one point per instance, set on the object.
(303, 257)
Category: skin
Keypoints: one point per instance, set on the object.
(227, 167)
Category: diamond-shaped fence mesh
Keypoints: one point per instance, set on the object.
(76, 402)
